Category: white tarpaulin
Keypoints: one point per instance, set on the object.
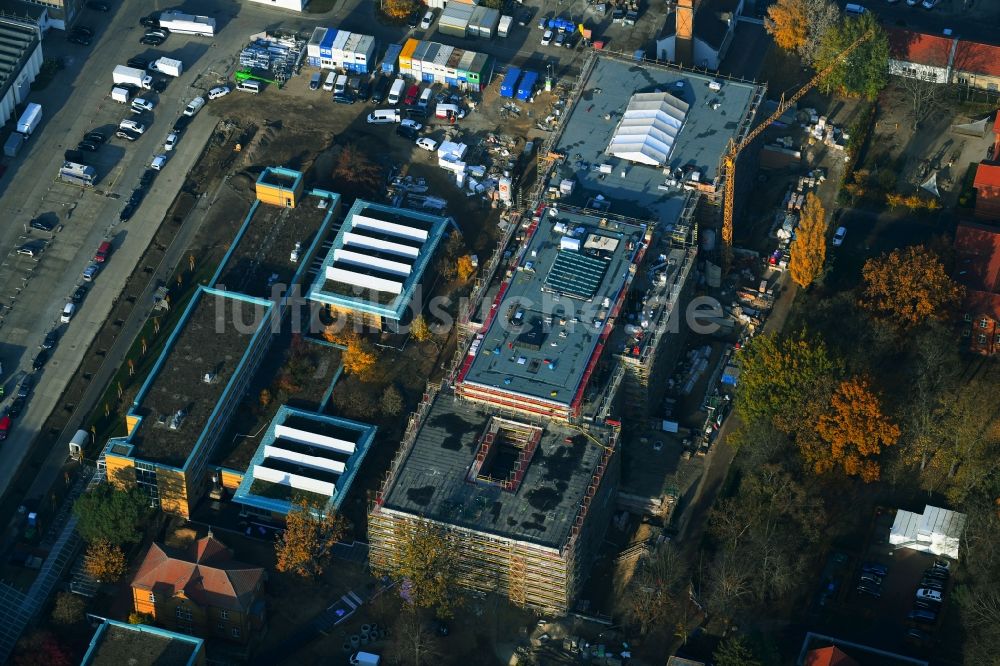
(977, 128)
(937, 531)
(648, 128)
(931, 185)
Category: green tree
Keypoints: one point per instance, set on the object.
(865, 71)
(305, 547)
(425, 568)
(135, 617)
(391, 403)
(112, 514)
(734, 651)
(782, 379)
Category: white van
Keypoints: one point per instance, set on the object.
(330, 78)
(194, 106)
(340, 85)
(249, 86)
(425, 98)
(383, 116)
(854, 10)
(67, 312)
(396, 92)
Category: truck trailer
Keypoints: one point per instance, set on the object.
(168, 66)
(187, 24)
(30, 119)
(132, 76)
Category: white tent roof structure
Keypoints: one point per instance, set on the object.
(648, 128)
(937, 531)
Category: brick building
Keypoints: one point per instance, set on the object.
(977, 249)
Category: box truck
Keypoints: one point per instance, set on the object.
(167, 66)
(13, 144)
(120, 95)
(132, 76)
(30, 119)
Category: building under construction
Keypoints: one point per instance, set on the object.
(524, 504)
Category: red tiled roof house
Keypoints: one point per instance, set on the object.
(987, 185)
(977, 65)
(201, 591)
(977, 250)
(920, 56)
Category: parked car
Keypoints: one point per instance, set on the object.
(171, 142)
(315, 80)
(159, 85)
(413, 20)
(838, 237)
(150, 21)
(41, 225)
(17, 406)
(31, 249)
(95, 137)
(50, 340)
(158, 162)
(24, 388)
(875, 568)
(138, 63)
(4, 426)
(78, 294)
(219, 91)
(141, 104)
(90, 272)
(412, 124)
(152, 40)
(127, 212)
(425, 22)
(194, 106)
(411, 95)
(344, 98)
(88, 146)
(871, 578)
(132, 126)
(41, 358)
(922, 616)
(84, 30)
(76, 38)
(407, 133)
(560, 39)
(125, 134)
(98, 5)
(181, 124)
(870, 590)
(427, 144)
(546, 38)
(929, 595)
(103, 252)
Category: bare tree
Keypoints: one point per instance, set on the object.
(412, 642)
(656, 594)
(821, 15)
(925, 96)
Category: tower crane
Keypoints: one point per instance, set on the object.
(729, 160)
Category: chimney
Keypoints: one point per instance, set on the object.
(684, 44)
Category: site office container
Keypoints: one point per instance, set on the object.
(349, 52)
(406, 56)
(391, 59)
(337, 49)
(427, 68)
(480, 72)
(312, 48)
(527, 85)
(419, 55)
(441, 63)
(455, 18)
(508, 87)
(326, 46)
(364, 54)
(462, 68)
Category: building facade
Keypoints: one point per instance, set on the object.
(977, 250)
(21, 45)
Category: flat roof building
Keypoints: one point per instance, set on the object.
(527, 502)
(116, 643)
(377, 263)
(706, 111)
(304, 455)
(205, 367)
(551, 319)
(20, 62)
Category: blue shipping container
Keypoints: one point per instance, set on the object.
(508, 87)
(313, 62)
(527, 85)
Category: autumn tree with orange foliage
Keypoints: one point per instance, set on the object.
(398, 9)
(786, 23)
(359, 358)
(809, 246)
(105, 562)
(852, 434)
(908, 287)
(305, 547)
(464, 267)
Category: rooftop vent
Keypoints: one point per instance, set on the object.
(178, 419)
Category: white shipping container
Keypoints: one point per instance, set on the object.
(312, 49)
(503, 28)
